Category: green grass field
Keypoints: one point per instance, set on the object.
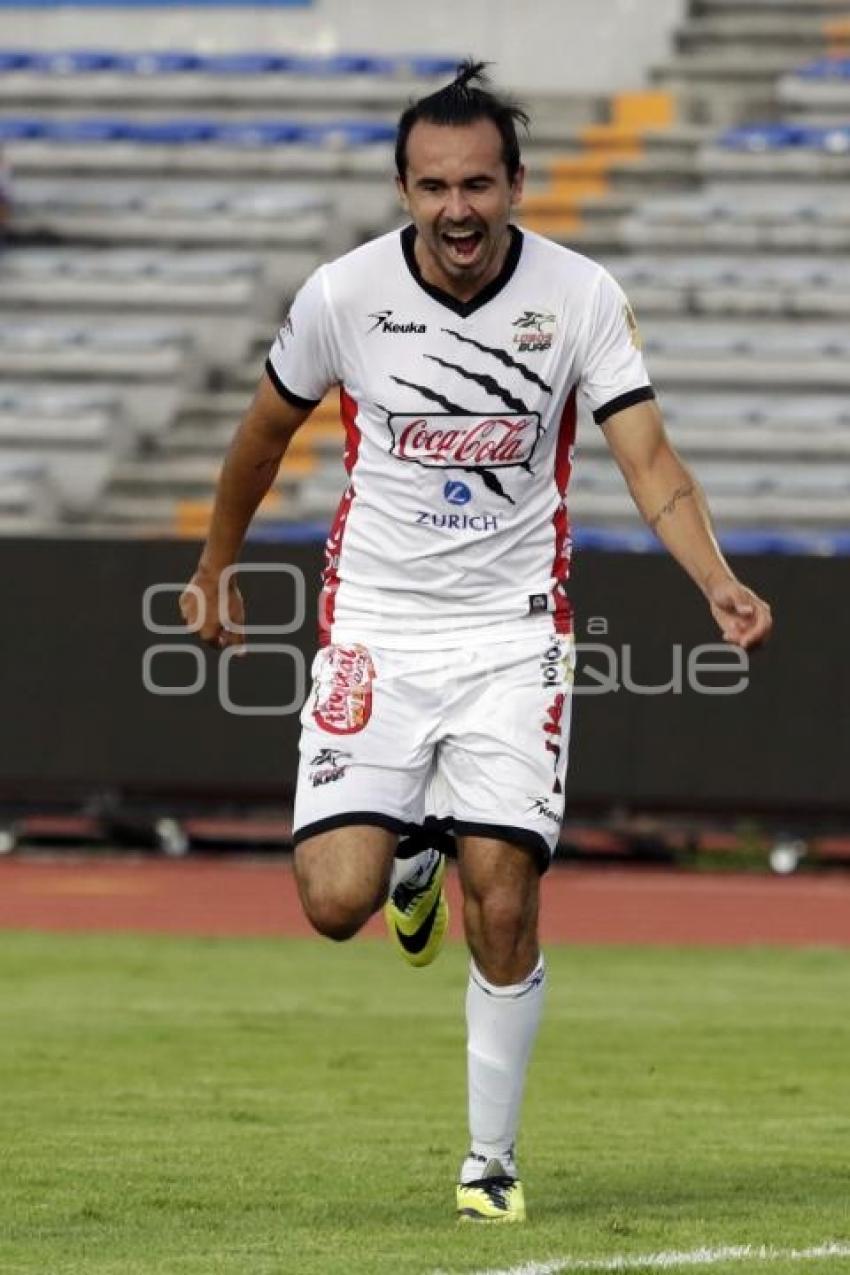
(204, 1106)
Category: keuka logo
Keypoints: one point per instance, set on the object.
(535, 331)
(384, 322)
(541, 806)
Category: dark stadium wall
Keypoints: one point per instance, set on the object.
(79, 719)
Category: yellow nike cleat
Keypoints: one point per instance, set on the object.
(496, 1196)
(417, 916)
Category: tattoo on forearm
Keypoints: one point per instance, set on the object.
(681, 493)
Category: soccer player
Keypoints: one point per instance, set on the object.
(441, 694)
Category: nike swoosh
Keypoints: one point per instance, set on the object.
(414, 943)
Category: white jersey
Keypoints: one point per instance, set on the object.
(460, 422)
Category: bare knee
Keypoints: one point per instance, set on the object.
(332, 909)
(341, 886)
(501, 893)
(499, 925)
(336, 919)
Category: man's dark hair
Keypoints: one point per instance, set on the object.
(468, 98)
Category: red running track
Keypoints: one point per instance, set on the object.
(580, 905)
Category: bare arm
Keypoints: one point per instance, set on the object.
(250, 467)
(672, 503)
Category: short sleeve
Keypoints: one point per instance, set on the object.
(302, 363)
(613, 376)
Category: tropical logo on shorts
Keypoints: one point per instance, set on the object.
(342, 698)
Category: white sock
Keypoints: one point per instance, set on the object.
(417, 867)
(501, 1024)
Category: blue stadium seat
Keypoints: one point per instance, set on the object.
(615, 540)
(762, 137)
(179, 132)
(835, 137)
(426, 66)
(75, 61)
(340, 64)
(825, 69)
(187, 131)
(175, 61)
(262, 133)
(19, 128)
(812, 543)
(162, 62)
(15, 60)
(351, 132)
(244, 64)
(358, 64)
(86, 130)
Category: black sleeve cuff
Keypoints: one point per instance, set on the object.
(295, 399)
(619, 404)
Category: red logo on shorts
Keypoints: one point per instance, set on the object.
(343, 696)
(552, 728)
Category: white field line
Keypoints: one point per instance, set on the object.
(670, 1260)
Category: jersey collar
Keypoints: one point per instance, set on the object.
(492, 289)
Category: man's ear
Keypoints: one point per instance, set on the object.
(401, 191)
(518, 186)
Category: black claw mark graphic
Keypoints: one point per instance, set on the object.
(503, 357)
(487, 476)
(486, 382)
(492, 483)
(433, 397)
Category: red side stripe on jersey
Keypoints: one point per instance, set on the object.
(560, 518)
(348, 411)
(333, 545)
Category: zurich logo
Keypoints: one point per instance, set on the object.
(457, 493)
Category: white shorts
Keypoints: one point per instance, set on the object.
(464, 741)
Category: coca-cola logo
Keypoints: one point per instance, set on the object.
(342, 701)
(445, 441)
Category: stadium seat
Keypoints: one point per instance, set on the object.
(78, 452)
(825, 69)
(148, 367)
(73, 61)
(15, 60)
(244, 64)
(14, 129)
(28, 500)
(162, 62)
(185, 131)
(763, 137)
(186, 171)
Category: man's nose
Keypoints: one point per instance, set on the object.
(457, 205)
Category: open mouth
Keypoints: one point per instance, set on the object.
(462, 243)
